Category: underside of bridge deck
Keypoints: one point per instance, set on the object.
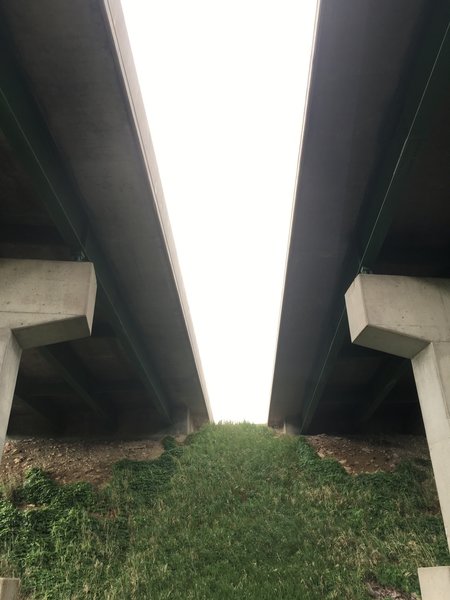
(372, 196)
(79, 181)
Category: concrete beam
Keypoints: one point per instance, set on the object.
(428, 85)
(410, 317)
(27, 133)
(41, 302)
(399, 315)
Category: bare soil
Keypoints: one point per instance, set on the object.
(359, 454)
(92, 461)
(72, 461)
(388, 593)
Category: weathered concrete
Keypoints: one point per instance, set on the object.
(41, 302)
(97, 121)
(435, 583)
(410, 317)
(10, 353)
(9, 588)
(182, 422)
(45, 302)
(399, 315)
(290, 428)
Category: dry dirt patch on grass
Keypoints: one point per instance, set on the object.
(92, 461)
(358, 454)
(73, 461)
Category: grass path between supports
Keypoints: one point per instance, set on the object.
(235, 513)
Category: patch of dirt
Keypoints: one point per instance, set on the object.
(358, 454)
(380, 592)
(73, 461)
(92, 461)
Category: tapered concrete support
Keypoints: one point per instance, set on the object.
(9, 588)
(10, 353)
(410, 317)
(41, 302)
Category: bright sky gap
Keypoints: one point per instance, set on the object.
(224, 87)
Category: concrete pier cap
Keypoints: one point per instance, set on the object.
(410, 317)
(41, 302)
(398, 315)
(45, 302)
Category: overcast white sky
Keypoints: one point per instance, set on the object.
(224, 85)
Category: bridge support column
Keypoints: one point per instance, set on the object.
(410, 317)
(41, 302)
(10, 353)
(289, 428)
(182, 422)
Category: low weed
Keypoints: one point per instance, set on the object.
(235, 513)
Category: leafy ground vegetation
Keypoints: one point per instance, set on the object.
(235, 513)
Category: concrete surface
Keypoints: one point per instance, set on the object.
(45, 302)
(97, 120)
(399, 315)
(435, 583)
(356, 77)
(432, 374)
(183, 423)
(290, 428)
(410, 317)
(9, 588)
(41, 302)
(10, 353)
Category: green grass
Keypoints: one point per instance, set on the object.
(236, 512)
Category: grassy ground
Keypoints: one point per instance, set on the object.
(236, 513)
